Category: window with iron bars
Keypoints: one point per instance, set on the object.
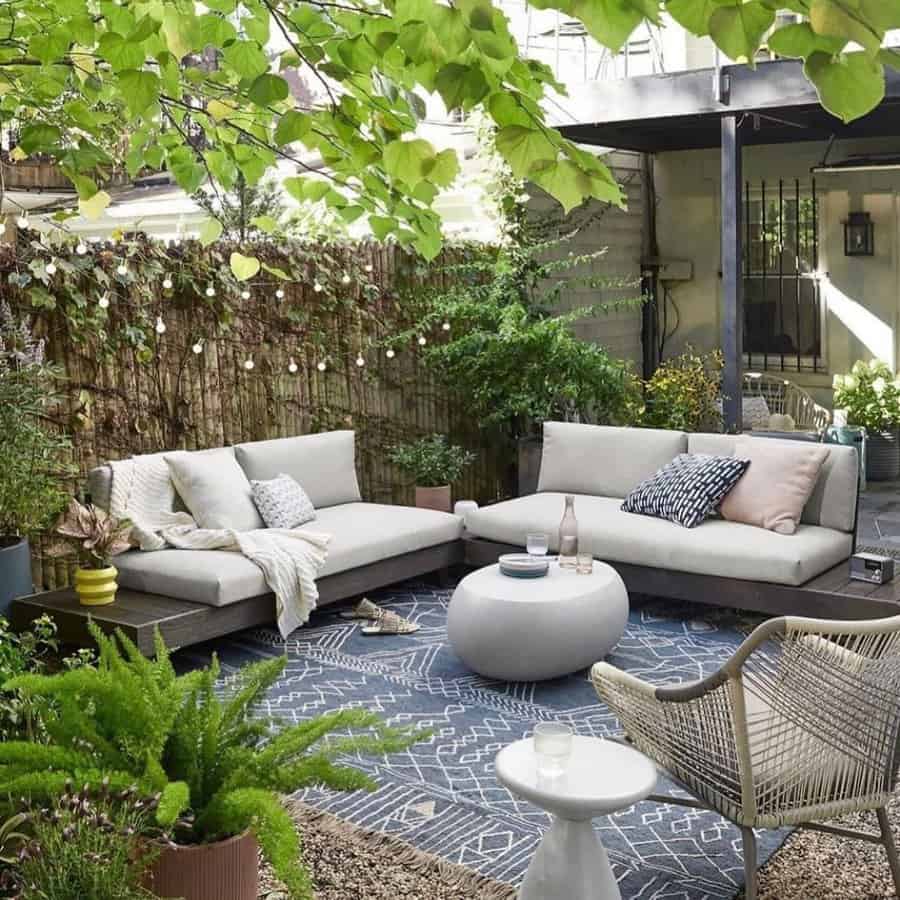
(783, 312)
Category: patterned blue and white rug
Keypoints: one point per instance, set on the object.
(442, 796)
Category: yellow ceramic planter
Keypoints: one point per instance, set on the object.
(96, 587)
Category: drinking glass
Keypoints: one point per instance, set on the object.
(584, 563)
(537, 544)
(553, 747)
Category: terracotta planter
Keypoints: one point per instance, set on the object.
(225, 870)
(434, 498)
(96, 587)
(15, 572)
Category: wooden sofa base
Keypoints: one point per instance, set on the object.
(831, 595)
(182, 622)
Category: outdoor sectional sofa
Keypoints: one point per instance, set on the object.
(372, 544)
(718, 562)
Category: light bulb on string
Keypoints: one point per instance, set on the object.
(321, 366)
(249, 365)
(317, 287)
(210, 291)
(292, 366)
(160, 325)
(51, 268)
(369, 267)
(345, 278)
(197, 349)
(22, 221)
(81, 248)
(103, 302)
(279, 294)
(167, 283)
(446, 326)
(390, 353)
(423, 340)
(245, 294)
(121, 269)
(360, 360)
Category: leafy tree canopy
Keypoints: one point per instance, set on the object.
(205, 90)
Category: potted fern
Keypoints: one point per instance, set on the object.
(216, 770)
(434, 465)
(97, 537)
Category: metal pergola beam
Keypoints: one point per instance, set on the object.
(732, 274)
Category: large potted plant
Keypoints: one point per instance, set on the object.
(97, 537)
(31, 452)
(434, 464)
(216, 769)
(870, 398)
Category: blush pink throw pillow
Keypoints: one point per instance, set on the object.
(774, 489)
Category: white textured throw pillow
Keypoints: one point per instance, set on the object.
(214, 488)
(282, 502)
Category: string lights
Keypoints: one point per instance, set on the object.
(292, 366)
(390, 353)
(279, 294)
(103, 302)
(245, 294)
(51, 268)
(197, 348)
(210, 291)
(249, 365)
(360, 360)
(81, 248)
(321, 366)
(167, 283)
(160, 325)
(121, 269)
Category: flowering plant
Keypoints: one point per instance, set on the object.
(96, 535)
(870, 396)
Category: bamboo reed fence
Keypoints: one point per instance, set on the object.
(121, 400)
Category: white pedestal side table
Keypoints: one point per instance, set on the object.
(602, 777)
(530, 629)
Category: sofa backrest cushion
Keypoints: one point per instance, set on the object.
(833, 500)
(99, 485)
(603, 460)
(324, 465)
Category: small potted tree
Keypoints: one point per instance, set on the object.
(97, 537)
(870, 399)
(32, 467)
(434, 464)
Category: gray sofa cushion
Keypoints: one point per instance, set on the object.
(99, 485)
(833, 500)
(602, 460)
(716, 547)
(325, 464)
(362, 533)
(215, 489)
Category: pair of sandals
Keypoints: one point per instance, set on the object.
(382, 621)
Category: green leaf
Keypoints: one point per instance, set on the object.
(246, 58)
(94, 206)
(800, 41)
(382, 226)
(693, 15)
(265, 223)
(243, 267)
(48, 47)
(278, 273)
(268, 89)
(210, 231)
(405, 160)
(216, 31)
(738, 30)
(849, 86)
(461, 87)
(522, 147)
(611, 22)
(292, 126)
(120, 52)
(140, 89)
(838, 19)
(39, 138)
(443, 169)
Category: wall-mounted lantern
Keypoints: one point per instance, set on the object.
(859, 235)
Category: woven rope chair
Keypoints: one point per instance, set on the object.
(801, 724)
(787, 398)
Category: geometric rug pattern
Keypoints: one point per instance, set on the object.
(442, 795)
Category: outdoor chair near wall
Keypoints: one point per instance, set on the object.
(801, 725)
(786, 398)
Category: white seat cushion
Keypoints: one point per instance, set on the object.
(716, 547)
(362, 533)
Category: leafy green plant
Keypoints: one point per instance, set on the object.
(431, 461)
(12, 839)
(88, 845)
(95, 535)
(684, 393)
(217, 769)
(32, 449)
(870, 395)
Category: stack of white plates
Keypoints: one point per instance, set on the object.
(521, 565)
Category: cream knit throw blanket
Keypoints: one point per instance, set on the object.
(142, 491)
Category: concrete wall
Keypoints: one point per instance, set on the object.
(862, 294)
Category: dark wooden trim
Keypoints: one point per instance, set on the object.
(182, 623)
(732, 273)
(830, 596)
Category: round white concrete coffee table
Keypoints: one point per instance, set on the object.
(602, 777)
(528, 629)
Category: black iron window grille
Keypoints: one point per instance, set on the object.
(783, 314)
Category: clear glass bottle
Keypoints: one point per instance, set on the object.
(568, 536)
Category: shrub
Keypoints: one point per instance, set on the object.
(684, 393)
(870, 395)
(431, 461)
(217, 769)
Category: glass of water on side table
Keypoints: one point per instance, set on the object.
(552, 747)
(537, 544)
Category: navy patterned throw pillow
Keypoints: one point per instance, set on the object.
(687, 489)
